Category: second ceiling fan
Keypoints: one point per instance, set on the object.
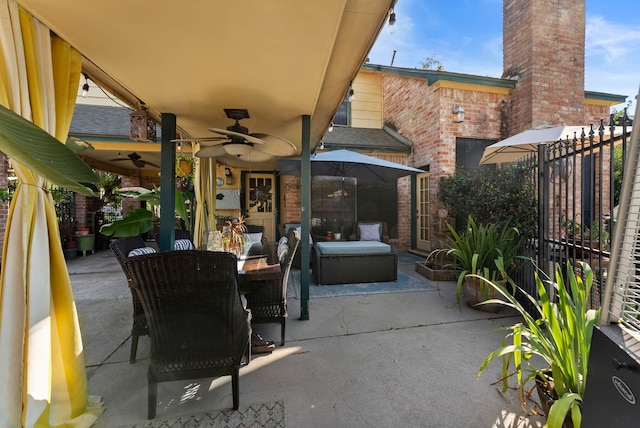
(236, 142)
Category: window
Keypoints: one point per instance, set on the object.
(342, 116)
(469, 152)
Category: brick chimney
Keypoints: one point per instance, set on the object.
(543, 48)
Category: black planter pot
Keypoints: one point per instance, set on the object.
(547, 398)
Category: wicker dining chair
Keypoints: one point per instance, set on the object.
(121, 248)
(196, 320)
(268, 302)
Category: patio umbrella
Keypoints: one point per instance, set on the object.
(526, 143)
(346, 163)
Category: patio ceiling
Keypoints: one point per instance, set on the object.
(279, 59)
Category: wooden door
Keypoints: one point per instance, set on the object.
(423, 219)
(260, 202)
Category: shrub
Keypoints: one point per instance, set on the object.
(492, 196)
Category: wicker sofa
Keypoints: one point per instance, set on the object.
(348, 262)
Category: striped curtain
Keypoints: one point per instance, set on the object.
(42, 367)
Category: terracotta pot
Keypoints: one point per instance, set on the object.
(476, 290)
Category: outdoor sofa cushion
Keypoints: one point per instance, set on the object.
(352, 248)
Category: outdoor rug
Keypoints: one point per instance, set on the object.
(405, 283)
(258, 415)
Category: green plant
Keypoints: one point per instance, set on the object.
(108, 185)
(67, 230)
(135, 223)
(489, 251)
(558, 331)
(576, 231)
(492, 195)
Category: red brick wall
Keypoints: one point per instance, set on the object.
(130, 204)
(594, 112)
(423, 114)
(543, 46)
(290, 199)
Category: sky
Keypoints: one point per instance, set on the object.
(465, 36)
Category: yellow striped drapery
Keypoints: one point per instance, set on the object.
(41, 356)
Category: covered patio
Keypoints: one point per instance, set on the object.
(287, 64)
(374, 360)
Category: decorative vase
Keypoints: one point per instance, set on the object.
(476, 290)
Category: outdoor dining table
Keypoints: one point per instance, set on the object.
(254, 271)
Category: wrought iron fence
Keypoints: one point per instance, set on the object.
(578, 187)
(65, 203)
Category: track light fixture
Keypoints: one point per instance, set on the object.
(321, 145)
(352, 93)
(331, 127)
(85, 87)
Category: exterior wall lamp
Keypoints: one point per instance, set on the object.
(458, 113)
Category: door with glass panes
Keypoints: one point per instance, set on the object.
(423, 219)
(260, 202)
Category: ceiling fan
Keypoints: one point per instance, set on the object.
(136, 159)
(236, 142)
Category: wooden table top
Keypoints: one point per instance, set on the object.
(255, 270)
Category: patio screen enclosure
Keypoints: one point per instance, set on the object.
(338, 202)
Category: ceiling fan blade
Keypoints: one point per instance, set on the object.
(256, 156)
(119, 159)
(151, 164)
(211, 151)
(247, 137)
(276, 146)
(199, 140)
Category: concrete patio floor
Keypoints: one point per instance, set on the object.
(383, 360)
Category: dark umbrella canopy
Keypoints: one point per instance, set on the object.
(345, 163)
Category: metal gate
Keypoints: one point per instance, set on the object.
(578, 190)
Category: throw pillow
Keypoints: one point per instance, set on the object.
(140, 251)
(283, 249)
(370, 232)
(183, 244)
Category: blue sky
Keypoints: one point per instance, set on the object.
(466, 37)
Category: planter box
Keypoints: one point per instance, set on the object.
(436, 274)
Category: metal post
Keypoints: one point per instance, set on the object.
(167, 182)
(305, 174)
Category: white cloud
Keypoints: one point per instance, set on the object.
(610, 41)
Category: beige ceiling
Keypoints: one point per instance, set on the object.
(280, 59)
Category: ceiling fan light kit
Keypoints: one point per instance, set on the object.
(237, 149)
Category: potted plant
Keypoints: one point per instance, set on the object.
(582, 239)
(438, 266)
(551, 345)
(487, 251)
(68, 238)
(233, 236)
